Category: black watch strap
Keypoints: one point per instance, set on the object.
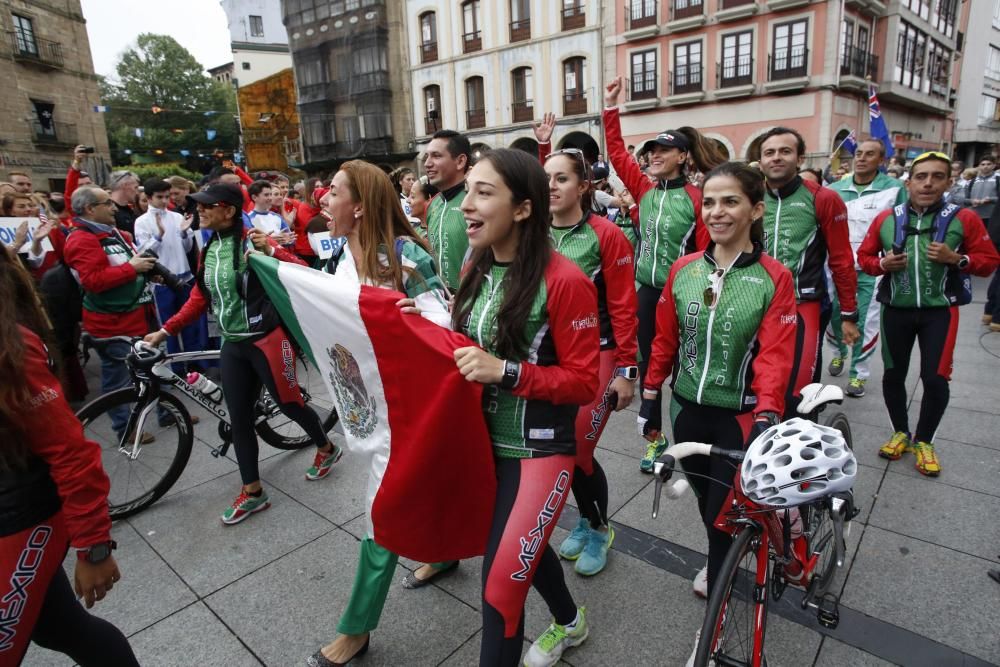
(511, 374)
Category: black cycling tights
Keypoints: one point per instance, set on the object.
(245, 364)
(591, 493)
(724, 428)
(530, 497)
(65, 626)
(647, 300)
(935, 329)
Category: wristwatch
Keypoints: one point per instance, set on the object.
(511, 374)
(97, 553)
(768, 416)
(963, 263)
(627, 372)
(849, 317)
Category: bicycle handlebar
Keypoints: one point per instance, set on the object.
(663, 467)
(145, 355)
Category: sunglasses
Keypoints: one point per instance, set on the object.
(203, 207)
(714, 289)
(928, 155)
(575, 153)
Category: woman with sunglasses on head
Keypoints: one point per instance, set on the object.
(725, 324)
(534, 315)
(254, 342)
(670, 215)
(382, 250)
(601, 250)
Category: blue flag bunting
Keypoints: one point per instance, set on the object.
(851, 143)
(878, 127)
(210, 134)
(100, 109)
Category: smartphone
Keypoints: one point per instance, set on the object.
(86, 149)
(898, 249)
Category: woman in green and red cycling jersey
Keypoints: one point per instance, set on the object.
(602, 252)
(53, 496)
(725, 324)
(534, 314)
(255, 347)
(670, 215)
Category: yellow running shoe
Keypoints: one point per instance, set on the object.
(927, 462)
(897, 445)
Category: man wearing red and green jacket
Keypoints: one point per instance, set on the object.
(805, 227)
(866, 193)
(448, 157)
(920, 298)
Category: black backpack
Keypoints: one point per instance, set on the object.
(63, 295)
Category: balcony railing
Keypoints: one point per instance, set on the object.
(314, 92)
(643, 86)
(735, 71)
(789, 63)
(58, 134)
(522, 112)
(686, 79)
(520, 30)
(682, 9)
(35, 50)
(428, 52)
(641, 13)
(475, 118)
(369, 82)
(574, 103)
(729, 4)
(574, 17)
(858, 62)
(472, 41)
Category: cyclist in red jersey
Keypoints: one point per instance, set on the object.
(602, 252)
(805, 226)
(53, 495)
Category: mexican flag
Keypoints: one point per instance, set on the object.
(402, 403)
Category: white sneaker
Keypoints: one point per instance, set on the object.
(549, 647)
(700, 585)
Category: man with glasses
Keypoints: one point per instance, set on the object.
(923, 248)
(124, 189)
(866, 193)
(116, 298)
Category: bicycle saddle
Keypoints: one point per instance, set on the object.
(816, 394)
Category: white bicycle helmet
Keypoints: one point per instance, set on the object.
(796, 462)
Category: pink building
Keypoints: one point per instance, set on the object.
(733, 68)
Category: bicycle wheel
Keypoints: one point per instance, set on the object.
(728, 632)
(281, 432)
(138, 481)
(839, 421)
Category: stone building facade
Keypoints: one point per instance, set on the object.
(50, 92)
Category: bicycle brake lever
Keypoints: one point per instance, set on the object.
(663, 470)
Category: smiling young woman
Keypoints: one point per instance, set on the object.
(730, 297)
(533, 314)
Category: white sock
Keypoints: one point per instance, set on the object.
(572, 626)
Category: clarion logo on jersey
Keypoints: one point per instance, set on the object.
(691, 335)
(47, 395)
(588, 322)
(531, 544)
(788, 319)
(752, 279)
(15, 600)
(622, 261)
(256, 319)
(797, 204)
(288, 363)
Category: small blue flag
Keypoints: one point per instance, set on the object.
(851, 143)
(878, 127)
(138, 132)
(210, 134)
(100, 109)
(185, 152)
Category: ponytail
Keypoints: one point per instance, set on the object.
(705, 154)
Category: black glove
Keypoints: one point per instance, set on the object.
(650, 416)
(761, 423)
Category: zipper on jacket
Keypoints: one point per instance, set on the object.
(656, 240)
(777, 219)
(916, 259)
(708, 353)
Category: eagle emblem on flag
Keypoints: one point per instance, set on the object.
(356, 407)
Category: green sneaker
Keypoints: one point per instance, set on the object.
(244, 506)
(549, 647)
(595, 554)
(573, 545)
(836, 366)
(653, 452)
(322, 463)
(855, 388)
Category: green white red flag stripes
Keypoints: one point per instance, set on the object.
(402, 403)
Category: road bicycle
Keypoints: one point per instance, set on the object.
(766, 555)
(142, 472)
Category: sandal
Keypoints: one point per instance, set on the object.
(411, 580)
